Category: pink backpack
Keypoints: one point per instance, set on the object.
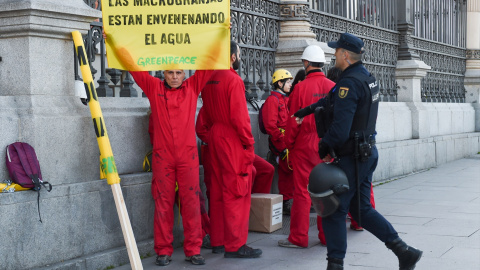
(24, 168)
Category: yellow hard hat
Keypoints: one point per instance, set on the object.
(281, 74)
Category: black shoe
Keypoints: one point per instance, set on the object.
(244, 252)
(407, 256)
(218, 249)
(206, 242)
(335, 264)
(287, 206)
(163, 260)
(196, 259)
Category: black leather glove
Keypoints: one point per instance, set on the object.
(303, 112)
(323, 149)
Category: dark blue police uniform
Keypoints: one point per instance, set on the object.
(352, 108)
(347, 126)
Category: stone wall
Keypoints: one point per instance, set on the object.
(80, 228)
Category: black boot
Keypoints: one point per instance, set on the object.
(335, 264)
(407, 255)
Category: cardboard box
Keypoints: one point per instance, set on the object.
(266, 212)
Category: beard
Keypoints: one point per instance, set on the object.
(236, 64)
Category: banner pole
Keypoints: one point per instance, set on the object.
(108, 167)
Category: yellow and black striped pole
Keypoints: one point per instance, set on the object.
(108, 167)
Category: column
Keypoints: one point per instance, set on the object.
(295, 35)
(472, 74)
(410, 71)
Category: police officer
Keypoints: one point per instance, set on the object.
(352, 106)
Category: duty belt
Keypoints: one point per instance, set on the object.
(348, 149)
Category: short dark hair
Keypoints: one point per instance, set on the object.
(316, 64)
(333, 74)
(233, 47)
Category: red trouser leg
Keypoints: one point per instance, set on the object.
(215, 202)
(285, 179)
(262, 180)
(304, 159)
(230, 193)
(353, 223)
(188, 191)
(207, 168)
(163, 192)
(204, 216)
(321, 234)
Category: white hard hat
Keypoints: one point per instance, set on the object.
(314, 53)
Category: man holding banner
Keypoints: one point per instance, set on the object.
(175, 158)
(231, 144)
(171, 36)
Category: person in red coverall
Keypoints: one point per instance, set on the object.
(230, 141)
(262, 171)
(275, 115)
(175, 158)
(302, 141)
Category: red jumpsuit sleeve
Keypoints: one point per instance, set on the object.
(270, 121)
(292, 130)
(240, 118)
(202, 127)
(146, 81)
(199, 79)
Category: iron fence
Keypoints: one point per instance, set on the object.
(440, 40)
(380, 13)
(381, 44)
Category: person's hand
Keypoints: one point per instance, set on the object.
(104, 35)
(298, 120)
(323, 151)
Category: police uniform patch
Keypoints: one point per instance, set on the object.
(342, 92)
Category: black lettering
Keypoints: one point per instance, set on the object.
(170, 2)
(221, 17)
(147, 39)
(176, 18)
(138, 19)
(137, 3)
(199, 19)
(187, 39)
(164, 18)
(205, 18)
(191, 19)
(164, 39)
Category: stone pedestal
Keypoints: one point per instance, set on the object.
(409, 74)
(295, 36)
(472, 74)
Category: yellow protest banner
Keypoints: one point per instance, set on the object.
(145, 35)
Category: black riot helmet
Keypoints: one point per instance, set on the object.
(326, 181)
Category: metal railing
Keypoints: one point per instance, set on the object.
(380, 13)
(381, 44)
(440, 40)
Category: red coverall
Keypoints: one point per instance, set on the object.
(262, 175)
(262, 171)
(231, 144)
(175, 158)
(302, 141)
(275, 115)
